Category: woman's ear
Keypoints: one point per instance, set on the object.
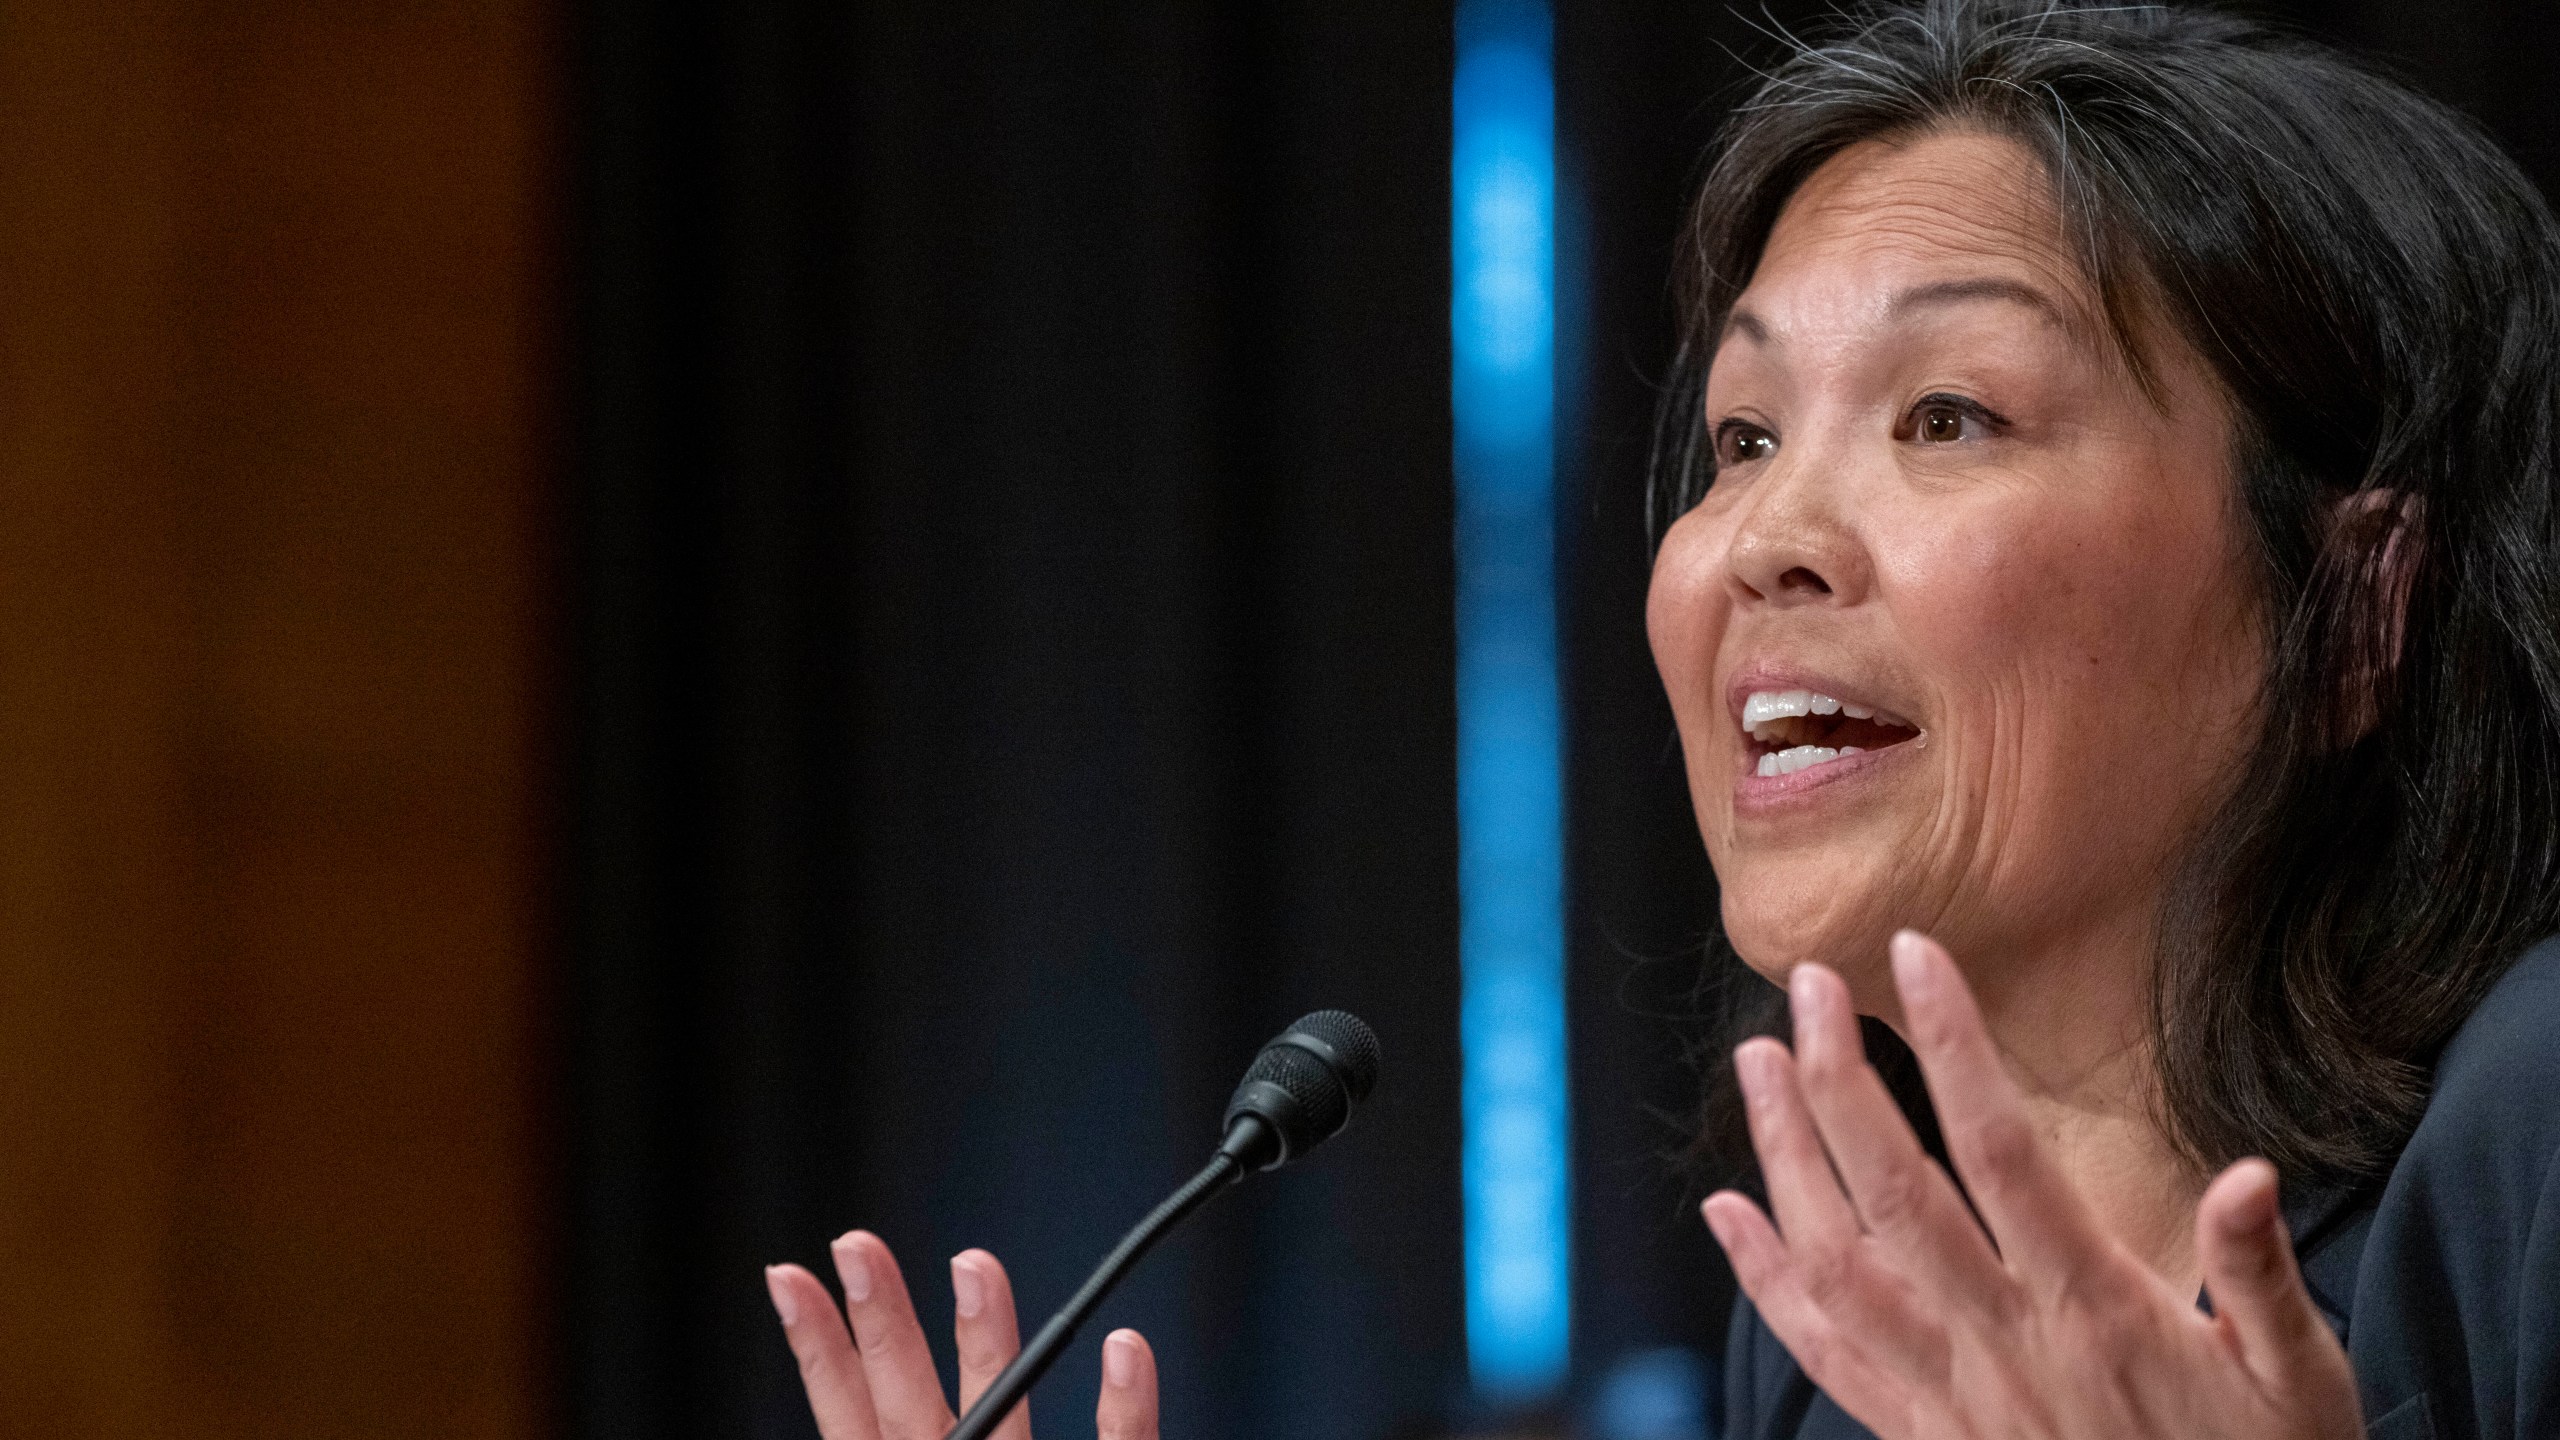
(2375, 544)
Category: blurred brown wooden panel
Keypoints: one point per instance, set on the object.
(274, 679)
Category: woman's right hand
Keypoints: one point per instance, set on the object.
(875, 1380)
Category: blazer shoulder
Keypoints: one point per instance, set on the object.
(2457, 1286)
(2492, 1126)
(2507, 1054)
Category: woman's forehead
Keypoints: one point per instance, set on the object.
(1885, 231)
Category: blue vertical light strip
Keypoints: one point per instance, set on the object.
(1516, 1170)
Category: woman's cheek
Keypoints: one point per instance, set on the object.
(2059, 647)
(1686, 610)
(1993, 613)
(1969, 615)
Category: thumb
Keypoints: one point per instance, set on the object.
(2250, 1271)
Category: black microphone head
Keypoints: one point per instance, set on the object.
(1345, 1041)
(1303, 1085)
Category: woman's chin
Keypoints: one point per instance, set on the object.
(1780, 932)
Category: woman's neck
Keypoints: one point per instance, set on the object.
(2073, 1023)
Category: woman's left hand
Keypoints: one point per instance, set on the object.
(1896, 1302)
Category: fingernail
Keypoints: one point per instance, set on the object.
(1715, 1226)
(968, 1288)
(2260, 1213)
(856, 1276)
(1757, 1061)
(1802, 990)
(2270, 1213)
(785, 1304)
(1910, 959)
(1120, 1360)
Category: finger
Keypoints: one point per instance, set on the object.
(906, 1392)
(1767, 1275)
(1827, 1256)
(1823, 1347)
(1127, 1409)
(829, 1370)
(2250, 1271)
(985, 1330)
(1805, 1196)
(2041, 1225)
(1900, 1195)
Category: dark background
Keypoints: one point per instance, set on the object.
(1012, 668)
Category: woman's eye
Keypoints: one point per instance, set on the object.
(1946, 420)
(1739, 443)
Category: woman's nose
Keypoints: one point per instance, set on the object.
(1794, 547)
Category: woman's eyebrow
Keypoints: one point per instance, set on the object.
(1985, 287)
(1929, 296)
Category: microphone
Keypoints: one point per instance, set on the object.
(1298, 1093)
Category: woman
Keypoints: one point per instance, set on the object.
(2153, 424)
(2113, 480)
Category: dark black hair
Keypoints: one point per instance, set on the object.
(2377, 289)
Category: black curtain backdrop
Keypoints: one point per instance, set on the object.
(1012, 569)
(1016, 681)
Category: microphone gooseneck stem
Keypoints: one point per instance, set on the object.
(1223, 1169)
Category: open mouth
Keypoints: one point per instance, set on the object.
(1792, 730)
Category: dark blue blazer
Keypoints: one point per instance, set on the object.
(2443, 1279)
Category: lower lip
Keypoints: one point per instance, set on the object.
(1758, 794)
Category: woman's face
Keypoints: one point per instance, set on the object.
(1960, 638)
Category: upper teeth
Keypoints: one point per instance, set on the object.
(1766, 705)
